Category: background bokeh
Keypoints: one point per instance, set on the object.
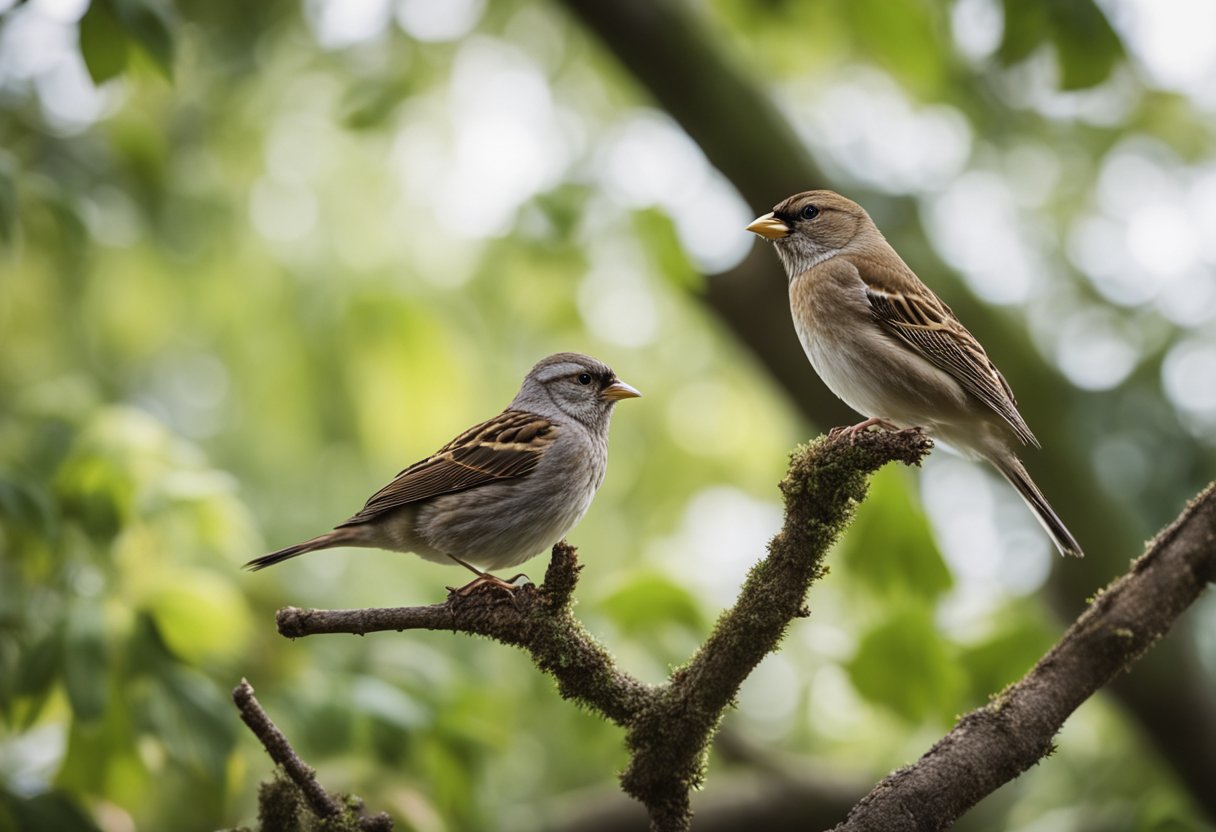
(257, 257)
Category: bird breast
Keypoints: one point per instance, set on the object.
(866, 367)
(500, 525)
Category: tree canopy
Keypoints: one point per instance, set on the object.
(256, 258)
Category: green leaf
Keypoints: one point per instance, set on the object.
(900, 35)
(180, 706)
(650, 600)
(8, 665)
(39, 663)
(148, 23)
(890, 549)
(103, 43)
(904, 665)
(369, 104)
(50, 810)
(84, 661)
(37, 669)
(192, 717)
(1026, 28)
(327, 727)
(657, 233)
(8, 198)
(23, 505)
(387, 703)
(201, 616)
(1021, 639)
(1086, 44)
(94, 750)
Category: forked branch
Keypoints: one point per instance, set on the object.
(669, 727)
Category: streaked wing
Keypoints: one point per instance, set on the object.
(506, 447)
(928, 326)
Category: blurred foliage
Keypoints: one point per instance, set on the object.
(283, 250)
(1085, 46)
(110, 28)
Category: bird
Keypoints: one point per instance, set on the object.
(503, 490)
(887, 346)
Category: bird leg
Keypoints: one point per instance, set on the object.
(852, 431)
(486, 579)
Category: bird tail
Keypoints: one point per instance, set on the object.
(338, 537)
(1011, 468)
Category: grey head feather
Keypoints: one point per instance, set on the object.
(568, 384)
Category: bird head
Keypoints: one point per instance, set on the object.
(579, 386)
(810, 227)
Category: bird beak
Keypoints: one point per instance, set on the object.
(619, 390)
(769, 227)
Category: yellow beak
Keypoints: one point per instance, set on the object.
(769, 227)
(619, 390)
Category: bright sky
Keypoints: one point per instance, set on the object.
(1175, 40)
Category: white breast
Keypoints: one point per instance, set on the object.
(834, 338)
(860, 362)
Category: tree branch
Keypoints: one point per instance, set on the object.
(679, 62)
(994, 744)
(783, 801)
(538, 619)
(272, 804)
(668, 727)
(669, 740)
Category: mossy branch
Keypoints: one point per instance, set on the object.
(538, 619)
(669, 727)
(994, 744)
(697, 77)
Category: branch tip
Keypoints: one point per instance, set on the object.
(273, 800)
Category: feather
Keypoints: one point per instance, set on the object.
(506, 447)
(928, 326)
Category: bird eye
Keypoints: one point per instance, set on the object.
(584, 378)
(810, 212)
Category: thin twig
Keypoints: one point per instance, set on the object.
(538, 619)
(273, 740)
(280, 750)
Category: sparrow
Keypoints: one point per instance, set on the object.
(503, 490)
(890, 348)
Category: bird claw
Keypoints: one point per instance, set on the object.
(853, 431)
(508, 586)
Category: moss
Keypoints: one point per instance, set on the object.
(279, 805)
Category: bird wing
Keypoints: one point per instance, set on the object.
(908, 309)
(506, 447)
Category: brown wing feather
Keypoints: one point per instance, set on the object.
(506, 447)
(927, 325)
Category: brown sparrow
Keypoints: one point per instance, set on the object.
(503, 490)
(889, 348)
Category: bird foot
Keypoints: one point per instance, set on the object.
(508, 586)
(853, 431)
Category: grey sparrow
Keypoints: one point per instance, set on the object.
(503, 490)
(890, 348)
